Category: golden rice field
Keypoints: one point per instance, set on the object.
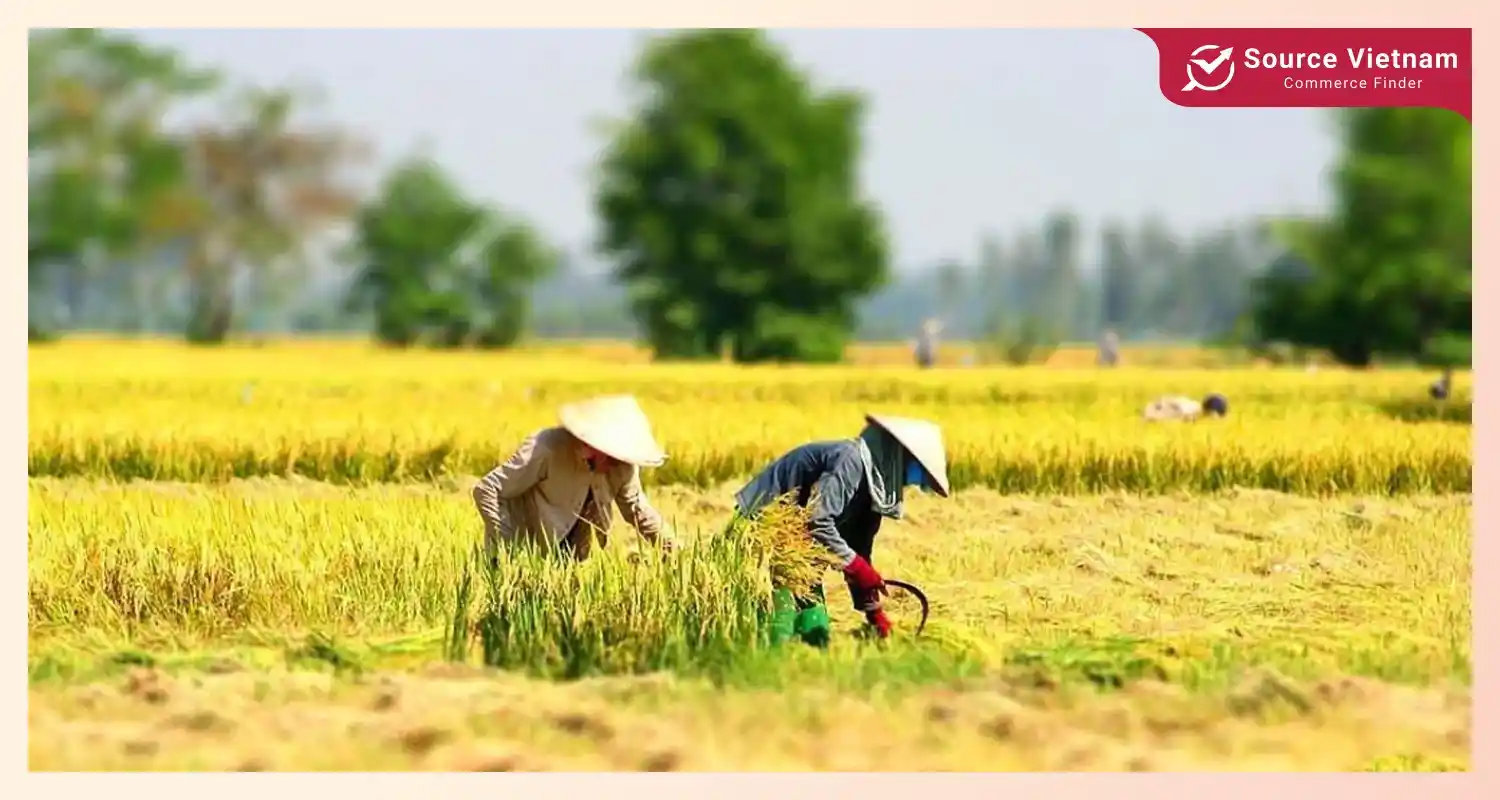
(260, 559)
(349, 413)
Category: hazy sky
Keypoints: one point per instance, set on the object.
(968, 130)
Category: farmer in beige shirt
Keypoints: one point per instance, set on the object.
(557, 489)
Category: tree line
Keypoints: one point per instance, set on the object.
(1144, 281)
(733, 224)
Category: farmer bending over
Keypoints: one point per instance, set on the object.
(556, 489)
(1185, 409)
(858, 482)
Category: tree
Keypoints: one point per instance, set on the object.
(437, 267)
(1158, 256)
(1389, 272)
(994, 278)
(106, 182)
(951, 283)
(506, 267)
(1226, 270)
(996, 285)
(265, 186)
(1029, 272)
(731, 206)
(1118, 293)
(1017, 328)
(1060, 237)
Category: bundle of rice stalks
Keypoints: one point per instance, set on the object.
(557, 618)
(778, 536)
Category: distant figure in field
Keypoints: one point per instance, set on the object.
(1109, 349)
(1440, 388)
(1175, 408)
(927, 343)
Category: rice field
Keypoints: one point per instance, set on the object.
(349, 414)
(263, 558)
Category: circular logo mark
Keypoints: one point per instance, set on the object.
(1208, 67)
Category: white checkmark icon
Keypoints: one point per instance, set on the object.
(1208, 67)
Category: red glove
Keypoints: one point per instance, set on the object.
(880, 621)
(864, 579)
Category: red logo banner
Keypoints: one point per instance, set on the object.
(1316, 67)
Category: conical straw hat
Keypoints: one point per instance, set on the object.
(616, 426)
(922, 439)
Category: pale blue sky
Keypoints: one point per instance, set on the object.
(969, 130)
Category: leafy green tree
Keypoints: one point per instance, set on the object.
(731, 206)
(1390, 271)
(406, 240)
(438, 268)
(510, 258)
(106, 182)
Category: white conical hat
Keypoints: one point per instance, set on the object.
(922, 439)
(616, 426)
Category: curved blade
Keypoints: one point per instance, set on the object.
(914, 592)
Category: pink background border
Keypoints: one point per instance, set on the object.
(764, 13)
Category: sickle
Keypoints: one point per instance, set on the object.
(917, 593)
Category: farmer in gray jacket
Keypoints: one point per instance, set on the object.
(859, 482)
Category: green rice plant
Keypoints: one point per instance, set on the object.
(699, 606)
